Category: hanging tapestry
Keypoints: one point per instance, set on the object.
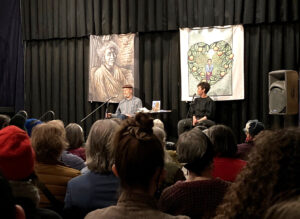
(111, 66)
(214, 55)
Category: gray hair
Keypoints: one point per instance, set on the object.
(160, 134)
(99, 146)
(158, 123)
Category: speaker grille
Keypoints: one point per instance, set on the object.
(277, 97)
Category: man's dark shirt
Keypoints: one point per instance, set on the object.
(204, 107)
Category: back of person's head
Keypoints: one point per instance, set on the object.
(18, 120)
(223, 140)
(160, 134)
(284, 209)
(16, 154)
(205, 124)
(138, 153)
(4, 121)
(99, 146)
(30, 124)
(253, 127)
(75, 135)
(204, 85)
(117, 120)
(48, 141)
(158, 123)
(195, 150)
(273, 169)
(58, 123)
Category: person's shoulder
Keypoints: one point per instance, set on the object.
(102, 213)
(46, 213)
(175, 190)
(169, 216)
(68, 171)
(136, 98)
(122, 101)
(208, 98)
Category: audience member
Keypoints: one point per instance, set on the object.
(199, 195)
(158, 123)
(67, 158)
(75, 137)
(4, 121)
(226, 165)
(169, 145)
(253, 127)
(30, 124)
(173, 169)
(8, 208)
(139, 163)
(273, 170)
(98, 188)
(48, 141)
(72, 160)
(289, 208)
(17, 160)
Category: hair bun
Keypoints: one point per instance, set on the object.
(144, 122)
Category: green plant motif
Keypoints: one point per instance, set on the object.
(221, 59)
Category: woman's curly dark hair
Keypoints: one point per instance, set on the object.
(273, 169)
(137, 152)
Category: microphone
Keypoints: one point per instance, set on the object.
(46, 113)
(193, 97)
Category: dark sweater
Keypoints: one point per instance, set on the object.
(197, 199)
(204, 107)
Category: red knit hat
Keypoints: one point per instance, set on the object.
(16, 154)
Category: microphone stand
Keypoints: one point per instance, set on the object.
(192, 102)
(97, 109)
(106, 108)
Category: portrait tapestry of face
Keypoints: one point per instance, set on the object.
(111, 66)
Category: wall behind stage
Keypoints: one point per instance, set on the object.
(56, 57)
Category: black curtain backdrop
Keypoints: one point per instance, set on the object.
(57, 50)
(48, 19)
(11, 57)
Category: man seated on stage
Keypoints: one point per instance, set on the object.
(203, 110)
(128, 106)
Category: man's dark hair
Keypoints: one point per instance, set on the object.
(205, 86)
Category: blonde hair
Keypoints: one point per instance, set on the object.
(48, 140)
